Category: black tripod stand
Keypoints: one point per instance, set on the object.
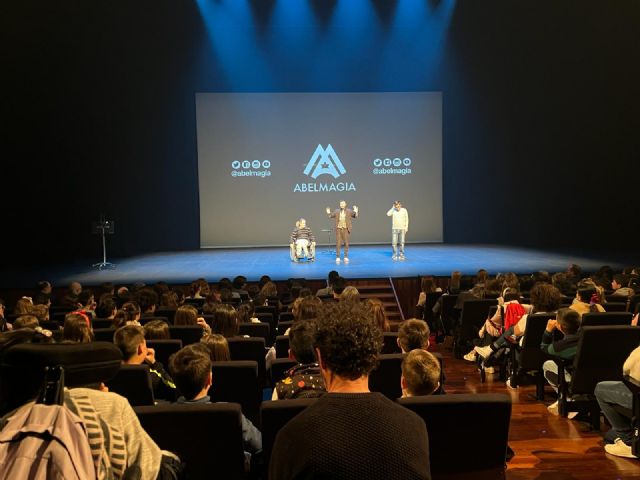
(103, 227)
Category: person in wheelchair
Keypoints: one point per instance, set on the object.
(302, 243)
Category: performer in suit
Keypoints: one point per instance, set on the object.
(302, 243)
(343, 217)
(399, 228)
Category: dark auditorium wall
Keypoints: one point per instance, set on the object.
(541, 110)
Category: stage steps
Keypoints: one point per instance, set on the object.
(383, 290)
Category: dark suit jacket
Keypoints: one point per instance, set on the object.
(349, 214)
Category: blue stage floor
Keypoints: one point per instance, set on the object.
(371, 261)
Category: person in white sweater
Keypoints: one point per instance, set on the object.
(399, 228)
(612, 393)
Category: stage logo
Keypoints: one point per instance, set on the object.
(324, 161)
(251, 168)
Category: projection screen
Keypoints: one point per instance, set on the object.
(267, 159)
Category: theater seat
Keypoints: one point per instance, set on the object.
(386, 377)
(273, 416)
(187, 333)
(164, 349)
(390, 343)
(448, 417)
(206, 437)
(249, 349)
(237, 381)
(278, 369)
(134, 383)
(282, 346)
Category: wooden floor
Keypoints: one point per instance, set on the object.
(547, 447)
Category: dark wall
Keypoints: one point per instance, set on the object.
(541, 110)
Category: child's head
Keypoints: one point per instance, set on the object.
(190, 369)
(568, 321)
(156, 330)
(420, 373)
(412, 334)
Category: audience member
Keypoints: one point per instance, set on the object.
(379, 314)
(420, 373)
(225, 321)
(77, 328)
(43, 294)
(188, 315)
(587, 300)
(107, 308)
(620, 286)
(23, 306)
(412, 334)
(218, 347)
(350, 294)
(328, 290)
(246, 313)
(71, 297)
(304, 380)
(349, 418)
(191, 369)
(610, 394)
(131, 342)
(156, 330)
(26, 321)
(566, 322)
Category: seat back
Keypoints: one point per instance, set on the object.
(168, 313)
(237, 381)
(150, 318)
(164, 349)
(103, 334)
(242, 348)
(256, 330)
(134, 383)
(601, 354)
(615, 306)
(386, 376)
(487, 412)
(274, 416)
(447, 312)
(101, 323)
(286, 317)
(474, 314)
(531, 355)
(390, 343)
(279, 368)
(187, 333)
(282, 346)
(283, 326)
(209, 439)
(606, 318)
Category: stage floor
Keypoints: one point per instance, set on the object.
(370, 261)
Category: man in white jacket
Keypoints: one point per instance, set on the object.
(399, 228)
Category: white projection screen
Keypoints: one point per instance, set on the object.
(267, 159)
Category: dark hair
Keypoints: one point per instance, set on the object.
(239, 282)
(378, 314)
(348, 339)
(106, 307)
(218, 347)
(510, 294)
(482, 276)
(545, 298)
(421, 372)
(225, 321)
(412, 334)
(130, 311)
(510, 280)
(77, 328)
(428, 284)
(562, 283)
(301, 339)
(156, 330)
(621, 279)
(454, 282)
(307, 308)
(331, 278)
(575, 270)
(569, 321)
(147, 298)
(85, 296)
(264, 279)
(127, 339)
(245, 312)
(541, 277)
(338, 285)
(190, 368)
(466, 283)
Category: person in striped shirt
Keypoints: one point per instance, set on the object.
(302, 243)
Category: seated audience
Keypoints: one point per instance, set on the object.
(26, 321)
(427, 285)
(328, 290)
(350, 294)
(77, 328)
(420, 373)
(620, 286)
(610, 394)
(131, 342)
(41, 312)
(148, 300)
(23, 306)
(156, 330)
(107, 308)
(188, 315)
(412, 334)
(218, 347)
(70, 299)
(225, 321)
(338, 287)
(566, 322)
(246, 314)
(340, 434)
(129, 314)
(191, 370)
(379, 315)
(87, 302)
(43, 294)
(304, 380)
(587, 300)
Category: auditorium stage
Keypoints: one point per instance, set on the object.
(370, 261)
